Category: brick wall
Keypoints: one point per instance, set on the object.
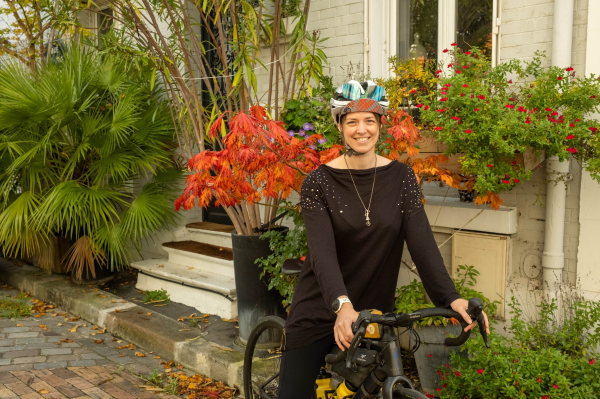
(342, 23)
(527, 28)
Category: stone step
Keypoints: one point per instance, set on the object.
(207, 292)
(210, 233)
(202, 256)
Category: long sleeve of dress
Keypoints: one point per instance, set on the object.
(321, 241)
(425, 253)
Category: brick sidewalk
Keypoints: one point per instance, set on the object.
(56, 355)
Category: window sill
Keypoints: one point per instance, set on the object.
(450, 213)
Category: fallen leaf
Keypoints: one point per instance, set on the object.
(93, 334)
(121, 355)
(185, 329)
(19, 325)
(85, 325)
(103, 296)
(167, 370)
(99, 341)
(190, 268)
(161, 265)
(103, 331)
(231, 320)
(179, 367)
(114, 339)
(42, 326)
(43, 391)
(74, 329)
(149, 314)
(130, 346)
(66, 340)
(113, 301)
(157, 357)
(139, 354)
(94, 328)
(59, 325)
(75, 318)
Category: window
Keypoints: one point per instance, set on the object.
(426, 27)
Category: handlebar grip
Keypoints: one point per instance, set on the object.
(332, 358)
(475, 311)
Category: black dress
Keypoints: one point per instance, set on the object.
(347, 257)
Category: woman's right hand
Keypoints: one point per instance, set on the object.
(343, 326)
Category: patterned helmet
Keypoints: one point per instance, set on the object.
(358, 97)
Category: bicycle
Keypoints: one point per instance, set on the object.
(370, 366)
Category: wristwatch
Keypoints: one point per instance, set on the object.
(337, 304)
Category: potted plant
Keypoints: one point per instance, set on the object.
(489, 115)
(261, 165)
(432, 353)
(78, 136)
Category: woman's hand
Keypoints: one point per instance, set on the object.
(461, 306)
(343, 326)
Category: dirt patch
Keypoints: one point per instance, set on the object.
(221, 228)
(202, 249)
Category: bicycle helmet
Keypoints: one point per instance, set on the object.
(358, 97)
(352, 91)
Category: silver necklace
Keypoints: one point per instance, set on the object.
(367, 210)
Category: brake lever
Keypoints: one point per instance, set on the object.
(359, 328)
(475, 310)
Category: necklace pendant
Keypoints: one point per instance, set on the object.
(368, 223)
(367, 216)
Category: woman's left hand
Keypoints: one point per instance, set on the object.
(461, 306)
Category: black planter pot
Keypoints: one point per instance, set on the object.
(254, 298)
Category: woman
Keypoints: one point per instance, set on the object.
(359, 209)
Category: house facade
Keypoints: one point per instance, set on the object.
(507, 246)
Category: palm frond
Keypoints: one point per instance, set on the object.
(82, 256)
(18, 235)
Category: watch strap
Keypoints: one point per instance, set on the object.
(342, 301)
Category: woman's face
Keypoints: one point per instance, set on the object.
(360, 131)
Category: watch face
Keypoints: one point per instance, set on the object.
(335, 306)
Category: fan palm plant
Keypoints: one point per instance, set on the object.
(75, 141)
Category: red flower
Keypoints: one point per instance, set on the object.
(547, 109)
(490, 165)
(514, 162)
(419, 105)
(426, 107)
(480, 371)
(522, 109)
(516, 181)
(430, 355)
(465, 85)
(441, 110)
(413, 91)
(569, 69)
(438, 128)
(438, 389)
(444, 386)
(466, 67)
(438, 71)
(538, 379)
(554, 113)
(593, 129)
(457, 373)
(510, 81)
(545, 396)
(559, 78)
(453, 44)
(462, 94)
(445, 50)
(509, 106)
(570, 137)
(577, 120)
(468, 131)
(302, 258)
(467, 53)
(506, 176)
(515, 361)
(555, 386)
(448, 84)
(455, 118)
(593, 97)
(506, 181)
(450, 65)
(476, 109)
(458, 72)
(528, 121)
(572, 150)
(592, 361)
(443, 99)
(572, 125)
(481, 97)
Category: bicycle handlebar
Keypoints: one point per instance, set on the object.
(365, 318)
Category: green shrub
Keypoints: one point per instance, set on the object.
(544, 359)
(412, 297)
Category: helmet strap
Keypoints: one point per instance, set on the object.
(350, 151)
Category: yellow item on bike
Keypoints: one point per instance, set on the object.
(344, 391)
(373, 328)
(323, 386)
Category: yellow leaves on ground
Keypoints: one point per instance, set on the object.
(20, 325)
(74, 329)
(99, 341)
(140, 354)
(43, 391)
(130, 346)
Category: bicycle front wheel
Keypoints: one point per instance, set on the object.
(262, 359)
(404, 393)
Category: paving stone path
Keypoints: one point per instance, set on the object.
(48, 357)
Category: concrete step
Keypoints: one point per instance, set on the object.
(207, 292)
(210, 233)
(210, 258)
